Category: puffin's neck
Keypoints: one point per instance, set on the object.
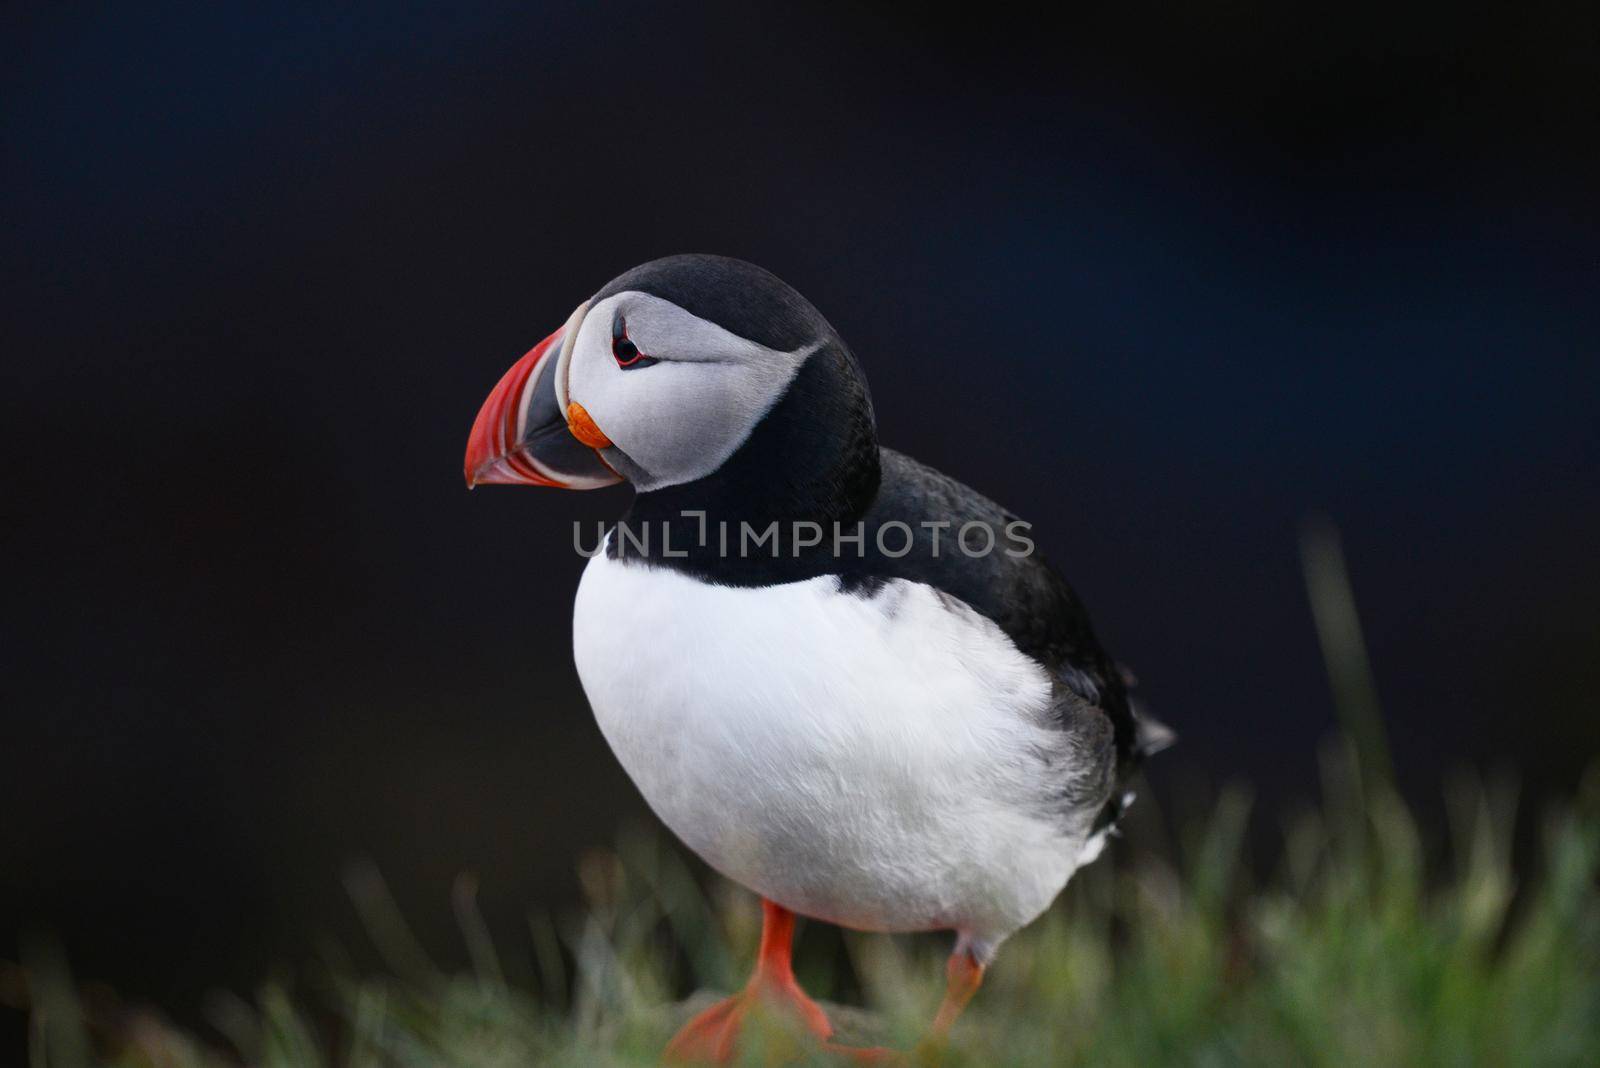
(813, 457)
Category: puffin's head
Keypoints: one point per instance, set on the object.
(658, 379)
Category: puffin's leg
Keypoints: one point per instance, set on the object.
(712, 1036)
(963, 976)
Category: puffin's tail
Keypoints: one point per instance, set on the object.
(1150, 735)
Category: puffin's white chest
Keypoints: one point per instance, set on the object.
(872, 761)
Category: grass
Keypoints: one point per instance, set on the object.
(1353, 950)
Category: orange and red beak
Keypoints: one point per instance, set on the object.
(522, 434)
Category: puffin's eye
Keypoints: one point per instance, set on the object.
(627, 354)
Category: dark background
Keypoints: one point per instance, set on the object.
(1166, 288)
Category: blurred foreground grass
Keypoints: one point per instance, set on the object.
(1354, 950)
(1349, 954)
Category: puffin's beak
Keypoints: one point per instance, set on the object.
(521, 436)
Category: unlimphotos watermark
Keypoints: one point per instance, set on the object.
(666, 539)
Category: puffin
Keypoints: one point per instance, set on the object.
(845, 680)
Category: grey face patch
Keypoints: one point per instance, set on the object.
(679, 419)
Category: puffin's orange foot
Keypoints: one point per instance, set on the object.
(771, 994)
(712, 1037)
(709, 1037)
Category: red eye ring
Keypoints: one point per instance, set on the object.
(623, 350)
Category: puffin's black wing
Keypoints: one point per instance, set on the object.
(1019, 591)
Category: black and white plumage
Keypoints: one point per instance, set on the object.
(885, 733)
